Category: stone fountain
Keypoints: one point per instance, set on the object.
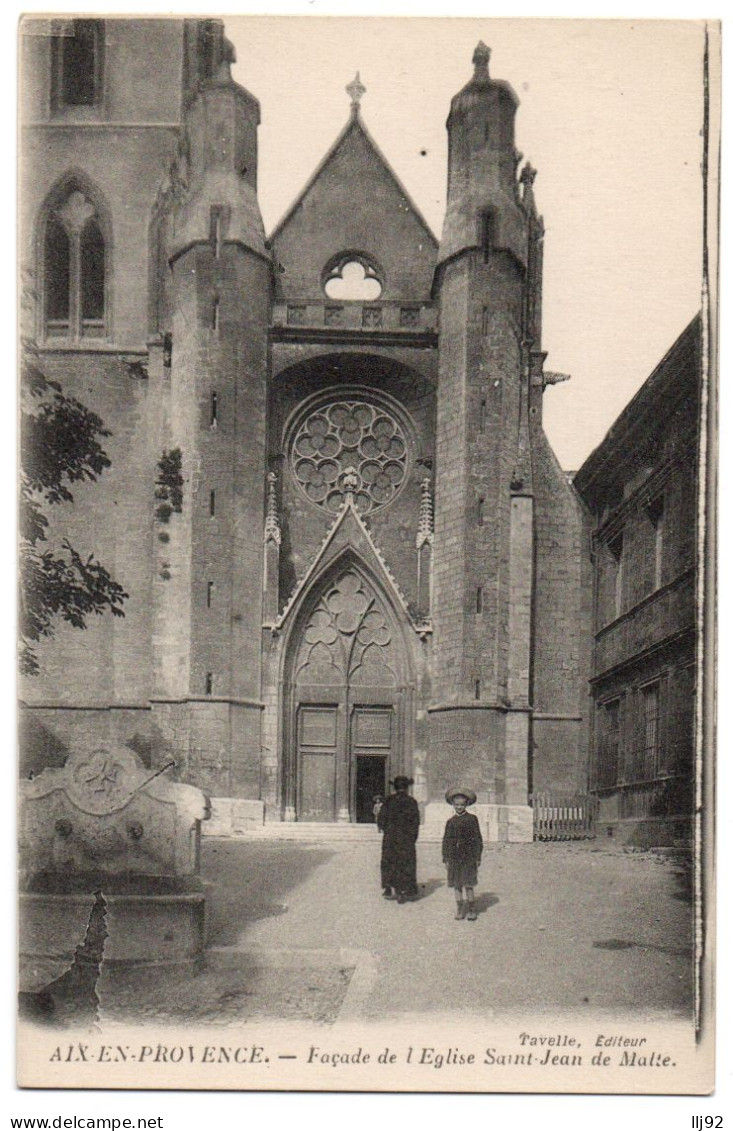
(110, 862)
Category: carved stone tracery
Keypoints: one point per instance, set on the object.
(347, 637)
(350, 446)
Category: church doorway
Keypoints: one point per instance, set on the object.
(364, 765)
(348, 703)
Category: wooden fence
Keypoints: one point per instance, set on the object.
(557, 817)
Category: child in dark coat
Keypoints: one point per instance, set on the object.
(462, 848)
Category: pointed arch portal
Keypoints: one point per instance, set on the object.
(348, 699)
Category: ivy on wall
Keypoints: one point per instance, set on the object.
(169, 493)
(169, 485)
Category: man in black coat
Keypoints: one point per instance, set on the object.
(399, 821)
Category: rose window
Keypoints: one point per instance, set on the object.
(350, 447)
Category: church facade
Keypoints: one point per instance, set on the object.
(348, 548)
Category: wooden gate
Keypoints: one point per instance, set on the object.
(564, 817)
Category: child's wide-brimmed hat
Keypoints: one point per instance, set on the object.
(451, 794)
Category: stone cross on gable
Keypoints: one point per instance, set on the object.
(356, 91)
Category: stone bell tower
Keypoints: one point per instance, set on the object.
(487, 281)
(208, 584)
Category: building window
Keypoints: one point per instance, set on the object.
(652, 726)
(607, 747)
(480, 599)
(487, 234)
(57, 273)
(616, 575)
(78, 56)
(655, 515)
(479, 512)
(74, 269)
(215, 225)
(350, 447)
(352, 277)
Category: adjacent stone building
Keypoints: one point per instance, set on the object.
(348, 547)
(640, 485)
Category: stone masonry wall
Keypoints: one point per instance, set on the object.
(109, 662)
(449, 552)
(562, 626)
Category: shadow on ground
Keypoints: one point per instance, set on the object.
(683, 877)
(246, 882)
(429, 888)
(251, 882)
(629, 944)
(486, 900)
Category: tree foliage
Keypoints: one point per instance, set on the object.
(59, 447)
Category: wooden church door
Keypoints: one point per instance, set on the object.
(348, 703)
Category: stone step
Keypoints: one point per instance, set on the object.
(321, 832)
(314, 830)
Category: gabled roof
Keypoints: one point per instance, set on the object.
(354, 534)
(354, 123)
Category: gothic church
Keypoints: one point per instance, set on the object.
(348, 547)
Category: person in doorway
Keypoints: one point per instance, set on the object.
(462, 848)
(399, 821)
(378, 802)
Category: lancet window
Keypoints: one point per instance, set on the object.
(74, 268)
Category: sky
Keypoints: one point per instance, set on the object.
(610, 116)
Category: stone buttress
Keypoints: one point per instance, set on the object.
(488, 280)
(210, 562)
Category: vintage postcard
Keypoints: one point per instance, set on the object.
(368, 406)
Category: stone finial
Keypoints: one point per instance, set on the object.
(356, 91)
(272, 520)
(527, 175)
(480, 60)
(425, 531)
(526, 180)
